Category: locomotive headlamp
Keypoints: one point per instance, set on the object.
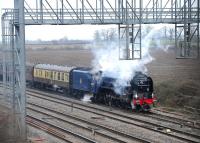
(136, 96)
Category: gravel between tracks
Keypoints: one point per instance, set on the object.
(153, 137)
(165, 124)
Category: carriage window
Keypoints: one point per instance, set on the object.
(63, 76)
(51, 74)
(36, 72)
(66, 77)
(40, 73)
(47, 74)
(54, 75)
(58, 76)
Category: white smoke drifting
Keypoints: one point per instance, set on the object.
(107, 60)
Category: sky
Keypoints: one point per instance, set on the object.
(50, 32)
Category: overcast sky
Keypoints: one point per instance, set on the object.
(49, 32)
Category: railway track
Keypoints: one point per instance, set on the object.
(173, 118)
(165, 111)
(55, 130)
(170, 117)
(104, 131)
(155, 115)
(179, 134)
(158, 113)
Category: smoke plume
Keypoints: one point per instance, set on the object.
(107, 60)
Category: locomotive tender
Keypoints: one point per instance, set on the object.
(77, 81)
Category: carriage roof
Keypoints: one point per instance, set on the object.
(54, 67)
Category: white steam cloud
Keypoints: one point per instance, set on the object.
(107, 60)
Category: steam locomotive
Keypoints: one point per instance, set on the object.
(75, 82)
(78, 81)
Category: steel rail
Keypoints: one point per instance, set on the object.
(126, 135)
(172, 121)
(153, 129)
(54, 129)
(175, 120)
(121, 115)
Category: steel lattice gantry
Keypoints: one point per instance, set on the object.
(128, 14)
(13, 41)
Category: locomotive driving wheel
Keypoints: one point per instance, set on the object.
(107, 99)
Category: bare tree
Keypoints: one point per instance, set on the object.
(109, 34)
(171, 33)
(105, 35)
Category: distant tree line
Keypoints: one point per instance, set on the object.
(166, 34)
(61, 41)
(106, 35)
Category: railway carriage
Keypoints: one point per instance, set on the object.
(51, 76)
